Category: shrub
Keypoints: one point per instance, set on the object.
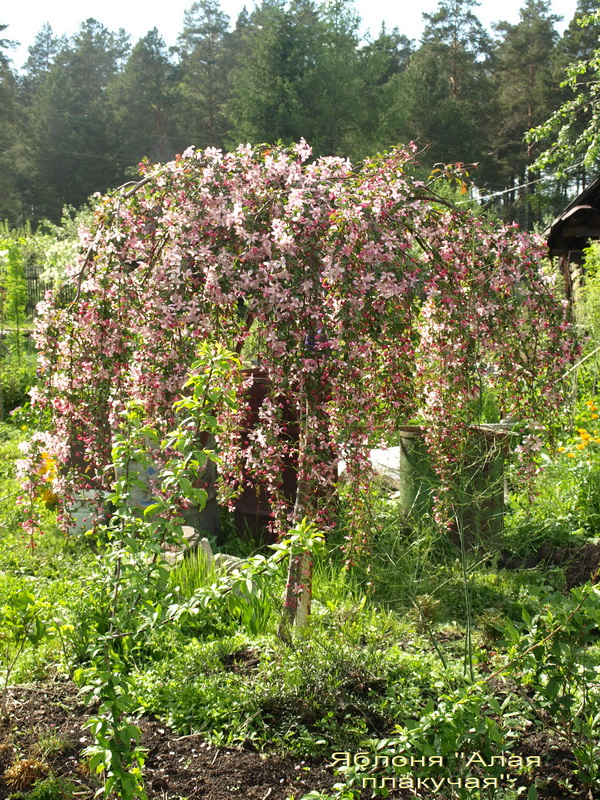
(17, 376)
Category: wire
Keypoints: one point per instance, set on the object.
(520, 186)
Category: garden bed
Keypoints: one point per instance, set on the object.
(47, 726)
(51, 717)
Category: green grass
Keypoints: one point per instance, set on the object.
(17, 376)
(342, 681)
(386, 655)
(53, 569)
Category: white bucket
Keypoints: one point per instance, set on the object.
(83, 511)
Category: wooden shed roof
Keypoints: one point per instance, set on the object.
(573, 229)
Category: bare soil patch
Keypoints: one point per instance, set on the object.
(176, 766)
(189, 767)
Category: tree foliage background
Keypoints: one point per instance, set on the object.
(85, 110)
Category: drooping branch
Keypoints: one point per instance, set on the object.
(357, 285)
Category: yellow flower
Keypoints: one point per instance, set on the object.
(49, 497)
(561, 449)
(571, 455)
(48, 467)
(580, 446)
(594, 416)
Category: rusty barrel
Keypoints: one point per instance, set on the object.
(252, 511)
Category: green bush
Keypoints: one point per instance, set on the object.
(564, 504)
(51, 788)
(17, 376)
(589, 295)
(554, 662)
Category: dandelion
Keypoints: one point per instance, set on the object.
(571, 455)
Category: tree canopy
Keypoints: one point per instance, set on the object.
(85, 110)
(365, 297)
(571, 133)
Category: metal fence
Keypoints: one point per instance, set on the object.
(36, 292)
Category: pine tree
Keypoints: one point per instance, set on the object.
(264, 104)
(442, 99)
(306, 42)
(73, 133)
(143, 102)
(527, 93)
(340, 91)
(382, 61)
(455, 34)
(578, 42)
(10, 204)
(429, 114)
(205, 65)
(43, 53)
(298, 74)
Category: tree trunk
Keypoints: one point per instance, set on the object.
(298, 591)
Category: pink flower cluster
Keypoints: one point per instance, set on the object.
(364, 298)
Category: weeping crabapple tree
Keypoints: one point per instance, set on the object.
(366, 299)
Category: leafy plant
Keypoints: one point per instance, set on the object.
(17, 370)
(570, 134)
(23, 620)
(132, 577)
(50, 788)
(580, 457)
(13, 288)
(553, 666)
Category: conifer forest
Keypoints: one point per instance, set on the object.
(84, 111)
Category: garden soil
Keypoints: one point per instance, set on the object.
(176, 766)
(188, 767)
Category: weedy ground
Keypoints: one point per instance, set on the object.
(481, 664)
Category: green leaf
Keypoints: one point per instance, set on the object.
(149, 510)
(494, 705)
(186, 486)
(97, 762)
(532, 793)
(552, 688)
(128, 733)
